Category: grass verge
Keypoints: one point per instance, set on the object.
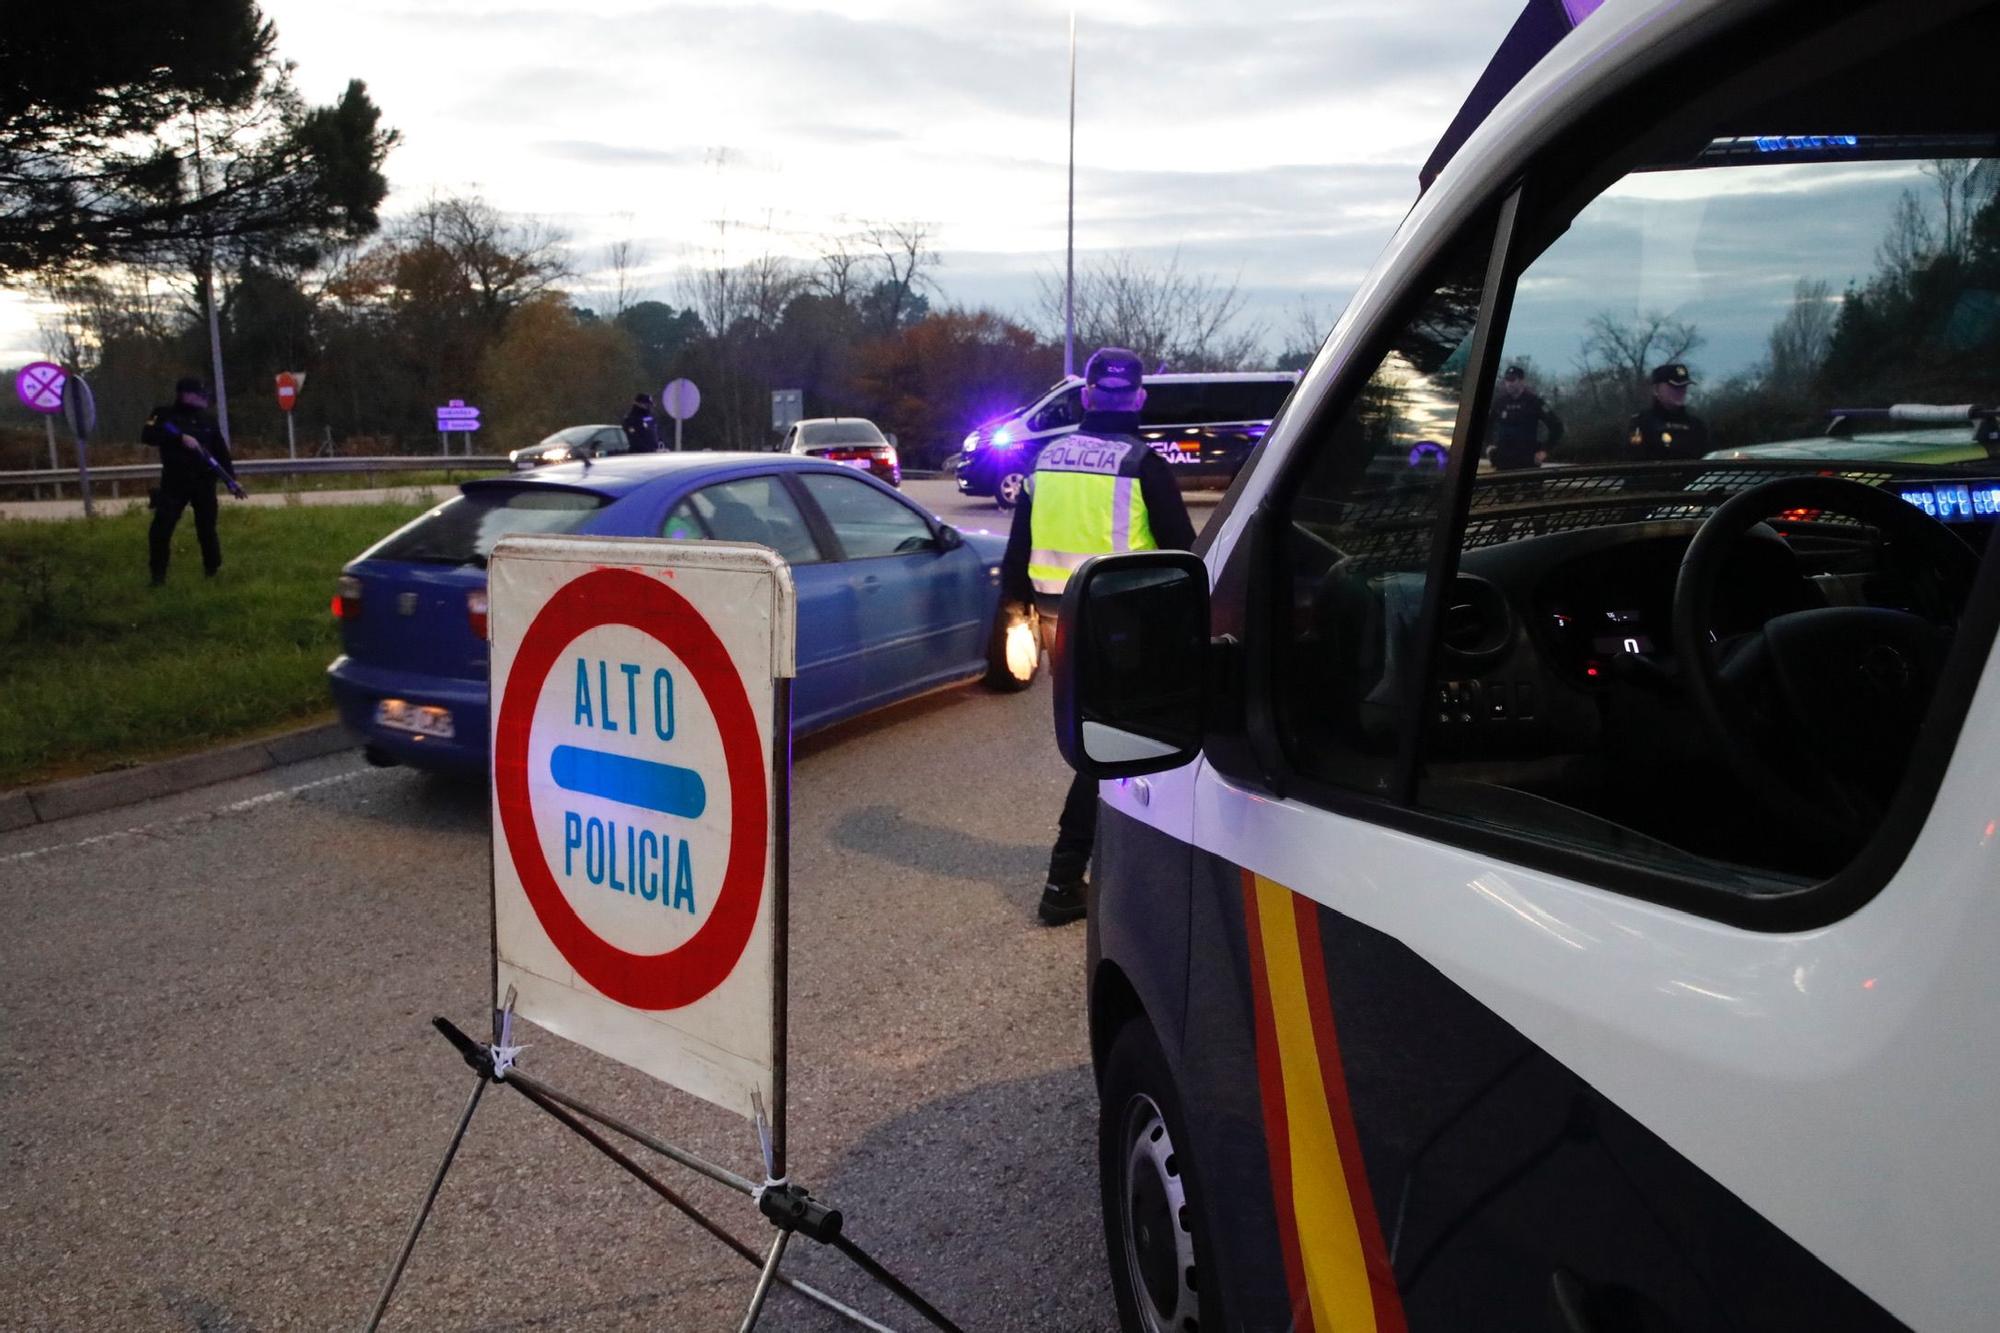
(99, 670)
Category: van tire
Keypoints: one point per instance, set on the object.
(1156, 1233)
(998, 678)
(1007, 488)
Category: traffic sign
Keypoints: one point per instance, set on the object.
(456, 416)
(787, 406)
(680, 399)
(39, 385)
(79, 408)
(636, 808)
(289, 384)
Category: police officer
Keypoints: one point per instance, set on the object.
(1666, 429)
(641, 435)
(1515, 425)
(193, 458)
(1100, 490)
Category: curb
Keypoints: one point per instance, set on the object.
(105, 791)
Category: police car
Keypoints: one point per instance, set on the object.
(1565, 900)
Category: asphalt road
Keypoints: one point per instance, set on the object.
(220, 1095)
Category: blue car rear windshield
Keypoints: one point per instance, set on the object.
(463, 531)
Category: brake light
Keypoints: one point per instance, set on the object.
(475, 611)
(347, 598)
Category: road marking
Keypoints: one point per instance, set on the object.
(147, 830)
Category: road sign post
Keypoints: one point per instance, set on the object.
(680, 400)
(641, 799)
(79, 407)
(39, 386)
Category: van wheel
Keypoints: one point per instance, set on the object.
(1153, 1222)
(1007, 491)
(1001, 675)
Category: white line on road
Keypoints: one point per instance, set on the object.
(146, 830)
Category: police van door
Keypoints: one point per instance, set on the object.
(1578, 999)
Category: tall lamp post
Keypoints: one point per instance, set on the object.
(1069, 274)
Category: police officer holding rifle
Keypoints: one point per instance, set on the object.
(193, 458)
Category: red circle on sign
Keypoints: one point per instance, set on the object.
(685, 973)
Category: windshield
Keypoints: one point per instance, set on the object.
(464, 531)
(840, 432)
(1832, 310)
(569, 435)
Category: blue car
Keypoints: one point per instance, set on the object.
(892, 602)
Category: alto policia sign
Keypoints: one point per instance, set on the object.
(641, 852)
(634, 857)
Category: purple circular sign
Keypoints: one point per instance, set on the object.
(40, 385)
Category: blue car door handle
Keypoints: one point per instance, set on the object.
(868, 583)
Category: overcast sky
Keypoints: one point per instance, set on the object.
(1276, 144)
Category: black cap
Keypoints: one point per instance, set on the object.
(1114, 369)
(189, 384)
(645, 398)
(1515, 373)
(1673, 373)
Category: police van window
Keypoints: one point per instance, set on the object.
(758, 510)
(1357, 538)
(1817, 313)
(1065, 410)
(1247, 400)
(1171, 403)
(464, 531)
(864, 521)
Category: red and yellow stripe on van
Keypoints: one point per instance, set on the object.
(1335, 1262)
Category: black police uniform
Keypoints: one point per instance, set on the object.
(185, 482)
(1513, 425)
(641, 436)
(1664, 433)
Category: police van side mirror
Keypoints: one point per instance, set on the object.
(1131, 663)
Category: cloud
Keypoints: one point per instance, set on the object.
(587, 153)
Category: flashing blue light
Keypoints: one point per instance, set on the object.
(1002, 438)
(1805, 143)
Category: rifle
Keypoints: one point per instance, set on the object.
(235, 486)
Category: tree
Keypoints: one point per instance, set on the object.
(1629, 349)
(658, 334)
(551, 369)
(929, 381)
(173, 139)
(502, 261)
(1801, 339)
(1185, 321)
(903, 249)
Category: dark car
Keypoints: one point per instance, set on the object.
(892, 602)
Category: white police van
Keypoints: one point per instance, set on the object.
(1204, 424)
(1567, 899)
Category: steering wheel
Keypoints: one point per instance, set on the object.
(1818, 710)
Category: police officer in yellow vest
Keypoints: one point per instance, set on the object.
(1100, 490)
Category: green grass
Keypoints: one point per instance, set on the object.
(99, 670)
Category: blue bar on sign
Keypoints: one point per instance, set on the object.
(667, 788)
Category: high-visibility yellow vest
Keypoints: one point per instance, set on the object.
(1086, 502)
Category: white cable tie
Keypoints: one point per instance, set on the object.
(503, 1059)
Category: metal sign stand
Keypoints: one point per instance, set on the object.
(787, 1206)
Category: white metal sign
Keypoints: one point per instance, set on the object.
(637, 827)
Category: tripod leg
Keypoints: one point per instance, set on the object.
(424, 1210)
(764, 1281)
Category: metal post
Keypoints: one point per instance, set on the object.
(764, 1281)
(781, 911)
(208, 289)
(424, 1209)
(291, 439)
(677, 434)
(1069, 276)
(55, 463)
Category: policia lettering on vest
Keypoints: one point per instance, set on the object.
(1096, 492)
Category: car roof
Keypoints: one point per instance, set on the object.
(828, 421)
(620, 476)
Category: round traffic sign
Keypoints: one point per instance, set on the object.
(680, 399)
(288, 391)
(687, 972)
(40, 385)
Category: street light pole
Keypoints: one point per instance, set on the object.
(1069, 276)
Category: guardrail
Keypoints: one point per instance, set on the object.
(58, 478)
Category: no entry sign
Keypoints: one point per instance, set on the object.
(636, 696)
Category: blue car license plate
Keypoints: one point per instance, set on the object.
(420, 719)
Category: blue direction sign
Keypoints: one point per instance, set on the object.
(456, 416)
